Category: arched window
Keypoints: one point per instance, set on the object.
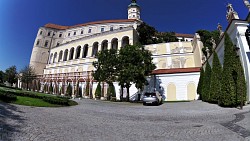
(60, 56)
(65, 56)
(78, 52)
(71, 54)
(50, 58)
(125, 41)
(95, 49)
(114, 43)
(55, 57)
(85, 51)
(46, 43)
(104, 45)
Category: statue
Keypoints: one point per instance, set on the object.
(246, 2)
(133, 1)
(231, 14)
(213, 42)
(219, 27)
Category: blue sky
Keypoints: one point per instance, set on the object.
(20, 19)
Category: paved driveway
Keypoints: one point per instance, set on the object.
(110, 121)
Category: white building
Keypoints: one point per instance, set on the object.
(63, 55)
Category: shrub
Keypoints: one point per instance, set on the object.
(98, 90)
(7, 97)
(111, 91)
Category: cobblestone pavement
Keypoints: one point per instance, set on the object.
(110, 121)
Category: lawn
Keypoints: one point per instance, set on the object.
(28, 101)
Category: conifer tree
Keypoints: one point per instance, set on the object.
(199, 88)
(215, 85)
(206, 83)
(98, 90)
(228, 95)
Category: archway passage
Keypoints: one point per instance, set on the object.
(65, 56)
(85, 51)
(78, 52)
(71, 54)
(104, 45)
(95, 49)
(60, 56)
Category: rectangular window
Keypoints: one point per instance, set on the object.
(49, 33)
(74, 33)
(60, 35)
(111, 28)
(121, 28)
(46, 43)
(37, 43)
(68, 34)
(41, 32)
(89, 30)
(102, 29)
(57, 44)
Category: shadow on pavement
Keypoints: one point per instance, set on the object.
(10, 121)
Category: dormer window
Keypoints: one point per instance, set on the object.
(81, 31)
(102, 29)
(68, 34)
(60, 35)
(41, 32)
(49, 33)
(89, 30)
(111, 28)
(75, 33)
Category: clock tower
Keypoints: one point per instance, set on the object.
(134, 10)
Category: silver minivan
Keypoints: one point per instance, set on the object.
(152, 98)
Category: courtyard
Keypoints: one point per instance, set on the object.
(114, 121)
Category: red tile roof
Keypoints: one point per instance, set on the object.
(184, 35)
(176, 70)
(60, 27)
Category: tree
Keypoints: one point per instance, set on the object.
(166, 37)
(134, 64)
(111, 91)
(200, 84)
(146, 34)
(215, 79)
(11, 75)
(206, 86)
(228, 95)
(98, 90)
(1, 77)
(27, 75)
(69, 90)
(206, 37)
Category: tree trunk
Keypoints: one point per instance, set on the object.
(127, 94)
(121, 95)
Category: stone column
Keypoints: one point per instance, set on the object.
(109, 45)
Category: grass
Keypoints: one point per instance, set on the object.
(176, 101)
(28, 101)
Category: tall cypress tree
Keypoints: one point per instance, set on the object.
(228, 95)
(206, 83)
(199, 88)
(215, 79)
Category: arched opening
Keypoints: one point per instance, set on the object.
(171, 92)
(85, 51)
(65, 56)
(125, 41)
(95, 49)
(60, 56)
(191, 91)
(78, 52)
(71, 54)
(55, 57)
(104, 45)
(114, 44)
(50, 58)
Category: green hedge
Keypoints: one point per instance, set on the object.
(7, 97)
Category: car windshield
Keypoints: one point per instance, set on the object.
(149, 94)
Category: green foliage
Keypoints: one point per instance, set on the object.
(106, 66)
(134, 64)
(199, 88)
(206, 37)
(149, 35)
(27, 75)
(98, 90)
(7, 97)
(111, 90)
(11, 75)
(69, 90)
(228, 95)
(215, 79)
(206, 83)
(50, 88)
(1, 77)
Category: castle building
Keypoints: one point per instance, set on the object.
(63, 55)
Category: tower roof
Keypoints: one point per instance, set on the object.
(134, 4)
